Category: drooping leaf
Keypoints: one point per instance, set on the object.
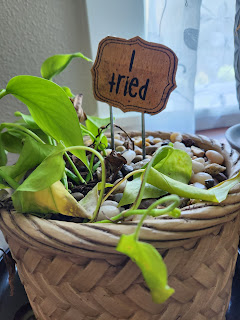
(174, 163)
(215, 194)
(53, 65)
(151, 264)
(50, 108)
(53, 199)
(132, 188)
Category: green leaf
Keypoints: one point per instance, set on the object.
(131, 192)
(28, 119)
(215, 194)
(151, 264)
(68, 92)
(53, 65)
(50, 108)
(32, 154)
(93, 124)
(3, 156)
(12, 141)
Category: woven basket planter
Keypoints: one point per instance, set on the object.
(72, 271)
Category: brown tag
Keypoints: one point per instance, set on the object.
(134, 75)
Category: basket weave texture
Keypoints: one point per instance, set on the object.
(72, 271)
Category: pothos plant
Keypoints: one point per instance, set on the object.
(47, 138)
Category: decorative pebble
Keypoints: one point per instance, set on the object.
(188, 142)
(117, 197)
(197, 151)
(200, 177)
(118, 142)
(137, 158)
(126, 169)
(215, 156)
(140, 164)
(129, 155)
(176, 136)
(107, 211)
(149, 139)
(77, 195)
(146, 203)
(151, 149)
(213, 169)
(197, 166)
(108, 151)
(221, 177)
(121, 187)
(137, 150)
(109, 203)
(201, 160)
(199, 185)
(156, 140)
(120, 148)
(179, 145)
(209, 183)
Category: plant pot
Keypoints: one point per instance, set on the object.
(72, 271)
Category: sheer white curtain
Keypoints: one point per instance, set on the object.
(201, 34)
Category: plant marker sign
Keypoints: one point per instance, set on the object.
(134, 75)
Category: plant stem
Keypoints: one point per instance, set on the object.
(99, 202)
(74, 168)
(174, 198)
(12, 183)
(72, 176)
(21, 128)
(150, 211)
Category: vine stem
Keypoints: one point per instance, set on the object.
(99, 202)
(3, 93)
(174, 198)
(12, 183)
(74, 168)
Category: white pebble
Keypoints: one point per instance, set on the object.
(175, 136)
(215, 156)
(200, 177)
(197, 166)
(129, 155)
(140, 164)
(109, 203)
(121, 187)
(197, 151)
(199, 185)
(106, 212)
(201, 160)
(179, 145)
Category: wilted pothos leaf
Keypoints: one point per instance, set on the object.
(151, 264)
(53, 199)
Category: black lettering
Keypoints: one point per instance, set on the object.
(118, 83)
(112, 83)
(131, 62)
(133, 83)
(143, 90)
(126, 85)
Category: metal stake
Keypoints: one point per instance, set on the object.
(112, 128)
(143, 136)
